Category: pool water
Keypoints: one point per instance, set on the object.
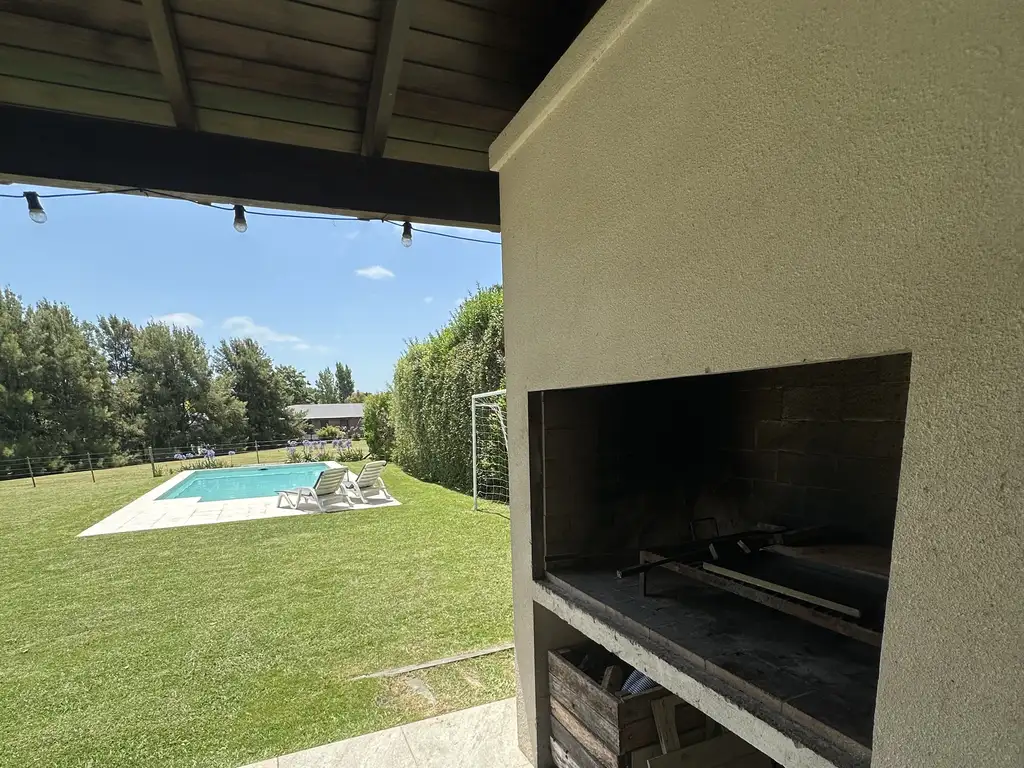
(244, 482)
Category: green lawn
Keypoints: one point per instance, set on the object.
(218, 645)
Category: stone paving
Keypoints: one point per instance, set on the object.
(480, 737)
(147, 512)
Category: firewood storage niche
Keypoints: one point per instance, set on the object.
(744, 520)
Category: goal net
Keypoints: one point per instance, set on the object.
(490, 448)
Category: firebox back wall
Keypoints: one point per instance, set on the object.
(628, 466)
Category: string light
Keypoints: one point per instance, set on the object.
(35, 208)
(240, 223)
(39, 215)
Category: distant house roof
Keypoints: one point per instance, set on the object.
(329, 410)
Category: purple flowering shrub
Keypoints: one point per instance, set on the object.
(206, 459)
(339, 450)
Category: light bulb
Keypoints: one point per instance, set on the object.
(35, 208)
(240, 225)
(407, 234)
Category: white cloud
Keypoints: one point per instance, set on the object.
(180, 319)
(376, 272)
(428, 299)
(352, 235)
(240, 325)
(303, 346)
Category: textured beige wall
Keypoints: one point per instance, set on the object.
(706, 186)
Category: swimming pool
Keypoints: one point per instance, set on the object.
(243, 482)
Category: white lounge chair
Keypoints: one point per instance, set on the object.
(328, 484)
(367, 481)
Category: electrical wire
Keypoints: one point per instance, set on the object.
(445, 234)
(53, 195)
(268, 214)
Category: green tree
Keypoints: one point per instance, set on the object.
(226, 422)
(344, 384)
(181, 401)
(295, 385)
(357, 397)
(326, 388)
(250, 373)
(115, 336)
(71, 392)
(377, 426)
(17, 366)
(129, 424)
(433, 383)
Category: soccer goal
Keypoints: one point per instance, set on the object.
(490, 448)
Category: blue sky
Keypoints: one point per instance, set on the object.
(311, 292)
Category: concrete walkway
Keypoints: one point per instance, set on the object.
(481, 736)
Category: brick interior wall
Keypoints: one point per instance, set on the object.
(816, 444)
(631, 465)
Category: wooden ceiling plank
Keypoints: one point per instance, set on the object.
(458, 85)
(49, 145)
(516, 9)
(258, 45)
(203, 66)
(246, 102)
(118, 16)
(464, 22)
(168, 56)
(392, 34)
(433, 154)
(280, 131)
(81, 43)
(451, 111)
(369, 9)
(66, 70)
(428, 132)
(83, 101)
(320, 25)
(284, 17)
(462, 56)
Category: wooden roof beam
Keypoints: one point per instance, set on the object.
(392, 34)
(160, 19)
(94, 152)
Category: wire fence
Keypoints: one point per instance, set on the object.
(161, 461)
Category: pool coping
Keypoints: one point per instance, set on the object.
(190, 510)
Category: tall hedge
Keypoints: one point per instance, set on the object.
(377, 426)
(434, 380)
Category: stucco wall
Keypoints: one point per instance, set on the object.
(708, 186)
